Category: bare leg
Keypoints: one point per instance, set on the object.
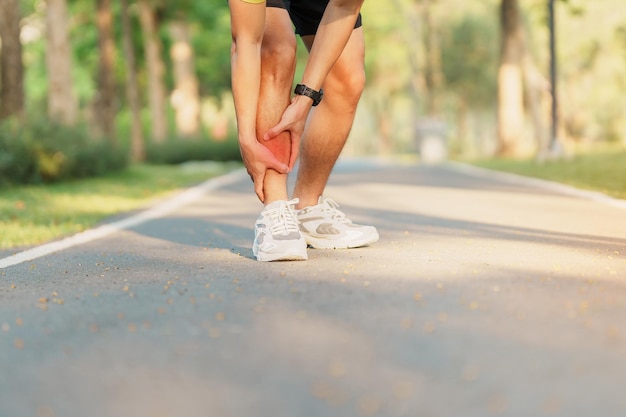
(330, 122)
(277, 70)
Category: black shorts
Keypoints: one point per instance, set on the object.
(306, 15)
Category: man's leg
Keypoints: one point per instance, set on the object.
(277, 237)
(322, 225)
(330, 122)
(278, 64)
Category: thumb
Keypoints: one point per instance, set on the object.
(274, 131)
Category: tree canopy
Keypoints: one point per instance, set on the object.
(425, 59)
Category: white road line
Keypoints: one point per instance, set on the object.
(196, 192)
(539, 183)
(182, 199)
(508, 177)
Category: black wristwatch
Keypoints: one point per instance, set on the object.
(303, 90)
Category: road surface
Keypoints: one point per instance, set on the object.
(486, 295)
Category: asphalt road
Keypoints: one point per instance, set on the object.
(486, 295)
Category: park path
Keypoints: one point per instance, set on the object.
(486, 295)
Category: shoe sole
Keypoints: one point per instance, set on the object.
(265, 257)
(323, 243)
(287, 256)
(281, 258)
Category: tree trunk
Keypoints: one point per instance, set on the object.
(379, 107)
(156, 70)
(510, 84)
(536, 87)
(432, 49)
(186, 95)
(11, 65)
(385, 128)
(411, 32)
(105, 102)
(137, 145)
(62, 104)
(463, 136)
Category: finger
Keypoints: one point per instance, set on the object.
(295, 149)
(259, 193)
(278, 166)
(258, 187)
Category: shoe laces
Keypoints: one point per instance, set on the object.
(283, 218)
(331, 208)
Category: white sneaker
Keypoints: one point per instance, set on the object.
(325, 227)
(276, 234)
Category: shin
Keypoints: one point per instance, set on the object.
(277, 71)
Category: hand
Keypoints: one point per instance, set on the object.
(293, 120)
(258, 159)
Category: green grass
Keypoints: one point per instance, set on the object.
(31, 215)
(602, 171)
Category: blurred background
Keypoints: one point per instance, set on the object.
(482, 70)
(91, 86)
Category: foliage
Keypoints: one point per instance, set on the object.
(177, 150)
(591, 57)
(590, 63)
(469, 59)
(34, 214)
(44, 152)
(213, 57)
(210, 31)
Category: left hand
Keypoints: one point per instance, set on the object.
(258, 159)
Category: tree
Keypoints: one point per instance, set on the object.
(11, 65)
(209, 23)
(510, 80)
(186, 94)
(156, 70)
(137, 145)
(469, 64)
(105, 101)
(432, 63)
(62, 104)
(410, 32)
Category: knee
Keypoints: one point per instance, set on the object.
(279, 59)
(347, 83)
(356, 83)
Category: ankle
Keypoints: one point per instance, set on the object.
(307, 201)
(269, 201)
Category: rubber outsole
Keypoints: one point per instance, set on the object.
(293, 255)
(322, 243)
(276, 258)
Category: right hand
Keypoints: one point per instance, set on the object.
(293, 121)
(258, 159)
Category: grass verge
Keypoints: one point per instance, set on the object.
(31, 215)
(602, 171)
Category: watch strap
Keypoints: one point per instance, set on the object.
(314, 95)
